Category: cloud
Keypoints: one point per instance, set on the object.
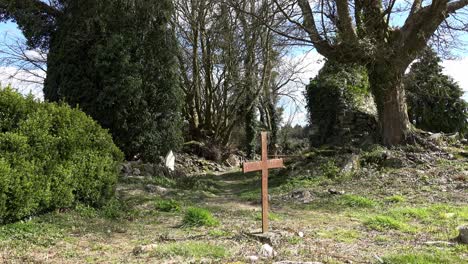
(458, 70)
(23, 81)
(306, 65)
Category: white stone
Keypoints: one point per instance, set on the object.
(252, 259)
(300, 234)
(267, 251)
(170, 161)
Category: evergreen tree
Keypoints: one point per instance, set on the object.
(434, 99)
(116, 59)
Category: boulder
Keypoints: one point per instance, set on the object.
(463, 236)
(267, 251)
(233, 160)
(302, 195)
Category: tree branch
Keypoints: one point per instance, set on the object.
(454, 6)
(322, 46)
(345, 24)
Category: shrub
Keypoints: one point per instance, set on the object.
(51, 156)
(199, 217)
(168, 206)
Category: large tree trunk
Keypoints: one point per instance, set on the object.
(387, 87)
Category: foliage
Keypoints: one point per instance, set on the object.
(293, 140)
(51, 156)
(330, 170)
(199, 217)
(116, 60)
(335, 85)
(434, 99)
(167, 205)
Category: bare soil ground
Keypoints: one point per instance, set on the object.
(403, 213)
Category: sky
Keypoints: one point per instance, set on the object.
(295, 112)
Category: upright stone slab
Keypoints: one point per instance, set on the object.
(170, 161)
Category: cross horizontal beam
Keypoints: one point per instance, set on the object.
(258, 165)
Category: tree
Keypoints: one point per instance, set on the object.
(117, 60)
(360, 32)
(434, 99)
(233, 69)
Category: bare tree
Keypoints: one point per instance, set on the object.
(230, 65)
(30, 66)
(361, 31)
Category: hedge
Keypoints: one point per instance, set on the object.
(51, 156)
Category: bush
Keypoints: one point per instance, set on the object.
(51, 156)
(199, 217)
(168, 205)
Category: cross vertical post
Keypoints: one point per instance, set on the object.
(263, 165)
(264, 183)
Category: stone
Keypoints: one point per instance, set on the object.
(252, 259)
(156, 189)
(170, 161)
(463, 236)
(300, 234)
(335, 192)
(302, 195)
(351, 165)
(233, 160)
(148, 170)
(127, 169)
(267, 251)
(436, 136)
(136, 172)
(270, 238)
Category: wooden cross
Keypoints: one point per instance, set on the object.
(264, 165)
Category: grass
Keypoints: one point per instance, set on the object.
(351, 200)
(383, 223)
(190, 250)
(219, 233)
(395, 199)
(31, 232)
(199, 217)
(340, 235)
(271, 216)
(436, 256)
(167, 205)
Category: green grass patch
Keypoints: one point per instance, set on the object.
(31, 232)
(294, 240)
(251, 195)
(167, 205)
(340, 235)
(383, 223)
(434, 257)
(113, 209)
(199, 217)
(351, 200)
(85, 211)
(219, 233)
(271, 216)
(190, 250)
